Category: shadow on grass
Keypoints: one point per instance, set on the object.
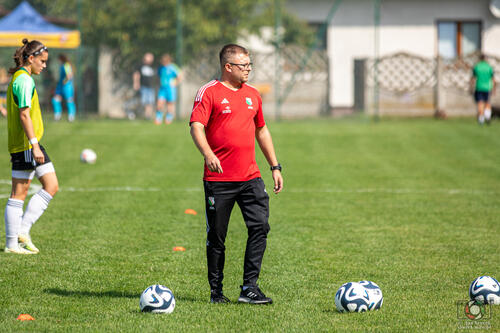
(333, 311)
(77, 293)
(189, 298)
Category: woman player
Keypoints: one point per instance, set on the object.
(25, 130)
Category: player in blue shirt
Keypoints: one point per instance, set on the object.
(65, 89)
(170, 77)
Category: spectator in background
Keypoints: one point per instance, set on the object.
(483, 84)
(65, 89)
(143, 80)
(170, 77)
(4, 84)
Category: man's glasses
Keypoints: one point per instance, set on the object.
(243, 66)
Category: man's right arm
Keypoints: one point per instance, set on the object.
(136, 77)
(200, 140)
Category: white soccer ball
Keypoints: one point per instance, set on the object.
(157, 299)
(374, 294)
(352, 297)
(485, 289)
(88, 156)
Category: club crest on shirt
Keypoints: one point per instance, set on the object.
(249, 102)
(211, 203)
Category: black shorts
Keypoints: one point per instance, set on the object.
(24, 160)
(482, 96)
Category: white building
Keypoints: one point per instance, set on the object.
(425, 28)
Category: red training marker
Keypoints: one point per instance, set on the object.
(25, 316)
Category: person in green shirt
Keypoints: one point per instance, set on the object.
(483, 84)
(28, 156)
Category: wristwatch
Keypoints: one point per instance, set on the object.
(276, 167)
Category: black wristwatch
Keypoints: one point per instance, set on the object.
(276, 167)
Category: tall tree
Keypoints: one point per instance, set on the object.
(132, 27)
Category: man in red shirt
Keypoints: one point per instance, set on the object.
(225, 121)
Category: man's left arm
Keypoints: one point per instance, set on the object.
(265, 141)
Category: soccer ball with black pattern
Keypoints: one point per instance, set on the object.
(352, 297)
(374, 294)
(486, 290)
(157, 299)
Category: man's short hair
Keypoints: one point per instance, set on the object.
(230, 50)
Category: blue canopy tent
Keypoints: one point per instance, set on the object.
(26, 22)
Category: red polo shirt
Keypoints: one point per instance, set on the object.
(230, 118)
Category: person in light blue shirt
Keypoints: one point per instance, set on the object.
(65, 89)
(170, 77)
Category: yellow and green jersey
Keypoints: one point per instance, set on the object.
(21, 94)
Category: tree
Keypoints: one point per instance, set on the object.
(132, 27)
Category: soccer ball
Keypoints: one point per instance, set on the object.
(485, 289)
(352, 297)
(88, 156)
(374, 294)
(157, 299)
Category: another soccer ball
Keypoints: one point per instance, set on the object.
(485, 289)
(157, 299)
(374, 294)
(88, 156)
(352, 297)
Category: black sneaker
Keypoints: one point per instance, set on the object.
(253, 295)
(217, 296)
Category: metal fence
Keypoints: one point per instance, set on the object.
(309, 84)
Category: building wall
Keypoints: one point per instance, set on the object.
(408, 26)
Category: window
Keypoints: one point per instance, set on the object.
(458, 38)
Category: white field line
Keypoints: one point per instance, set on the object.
(398, 191)
(33, 188)
(36, 187)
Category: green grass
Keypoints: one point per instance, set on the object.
(410, 204)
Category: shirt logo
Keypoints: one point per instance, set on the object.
(249, 101)
(224, 101)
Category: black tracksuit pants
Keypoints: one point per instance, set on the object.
(253, 200)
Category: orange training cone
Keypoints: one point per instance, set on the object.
(25, 316)
(190, 211)
(179, 248)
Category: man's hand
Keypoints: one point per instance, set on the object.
(213, 163)
(278, 181)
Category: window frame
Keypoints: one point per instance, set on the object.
(458, 25)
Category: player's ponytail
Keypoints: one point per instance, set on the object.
(24, 52)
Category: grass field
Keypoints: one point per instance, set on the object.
(410, 204)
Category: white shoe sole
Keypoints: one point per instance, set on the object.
(18, 251)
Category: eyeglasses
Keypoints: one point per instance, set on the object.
(243, 66)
